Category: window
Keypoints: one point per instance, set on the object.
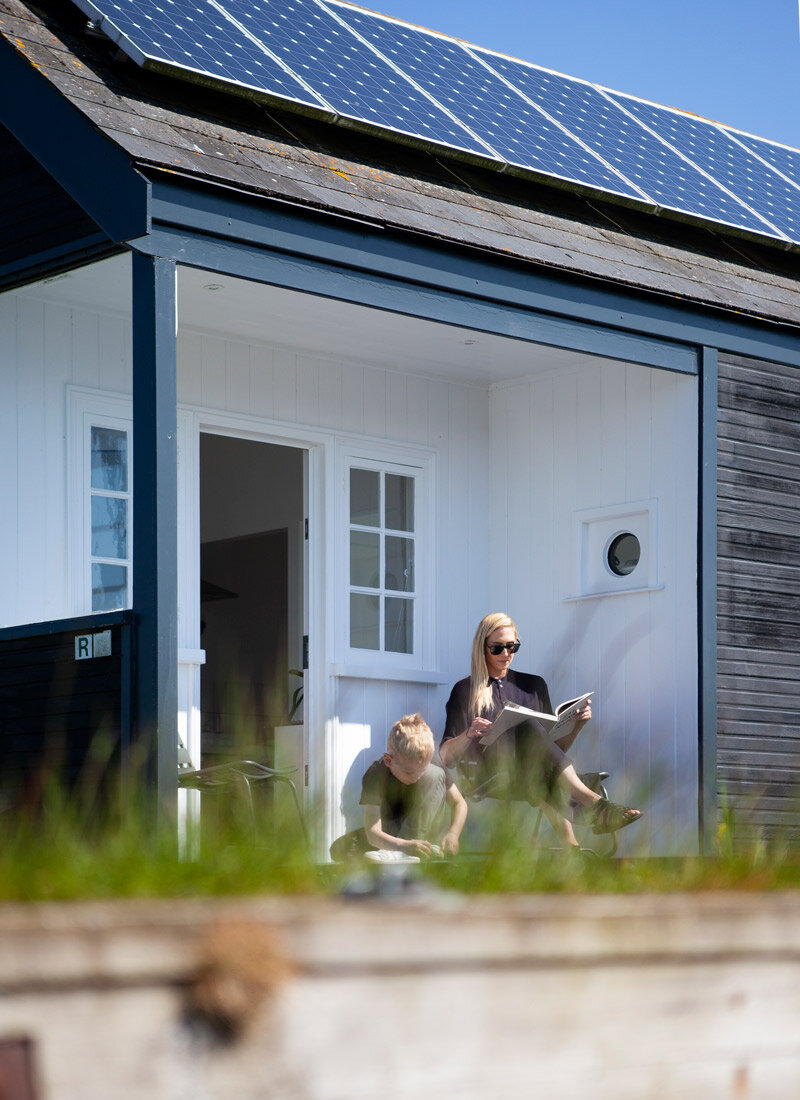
(101, 501)
(616, 549)
(382, 560)
(109, 517)
(387, 610)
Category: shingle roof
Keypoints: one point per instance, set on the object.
(207, 136)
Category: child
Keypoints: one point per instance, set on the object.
(403, 795)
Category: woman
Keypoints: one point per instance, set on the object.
(523, 763)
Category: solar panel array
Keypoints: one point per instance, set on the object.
(351, 65)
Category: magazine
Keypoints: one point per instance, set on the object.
(558, 724)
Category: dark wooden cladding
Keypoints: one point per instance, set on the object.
(61, 719)
(37, 216)
(758, 593)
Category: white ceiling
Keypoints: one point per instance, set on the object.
(320, 326)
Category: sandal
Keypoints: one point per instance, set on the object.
(608, 817)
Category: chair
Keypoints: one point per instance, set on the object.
(477, 792)
(243, 774)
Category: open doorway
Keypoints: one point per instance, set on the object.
(252, 596)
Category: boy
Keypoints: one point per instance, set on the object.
(403, 795)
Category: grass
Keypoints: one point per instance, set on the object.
(68, 846)
(65, 853)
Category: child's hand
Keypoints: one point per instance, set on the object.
(418, 848)
(450, 844)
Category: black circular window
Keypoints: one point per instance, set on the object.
(623, 554)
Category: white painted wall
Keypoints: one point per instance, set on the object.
(606, 434)
(44, 347)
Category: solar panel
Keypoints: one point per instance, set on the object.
(294, 49)
(201, 40)
(356, 81)
(782, 158)
(641, 157)
(710, 147)
(376, 72)
(521, 134)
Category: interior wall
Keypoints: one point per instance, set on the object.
(607, 434)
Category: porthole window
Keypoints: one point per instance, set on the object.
(623, 554)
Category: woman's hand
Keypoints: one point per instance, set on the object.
(585, 713)
(477, 728)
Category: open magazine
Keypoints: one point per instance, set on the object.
(558, 724)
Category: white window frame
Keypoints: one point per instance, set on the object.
(406, 462)
(89, 409)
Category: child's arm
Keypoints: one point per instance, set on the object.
(458, 815)
(379, 839)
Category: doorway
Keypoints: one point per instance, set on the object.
(252, 595)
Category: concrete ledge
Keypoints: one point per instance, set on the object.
(491, 997)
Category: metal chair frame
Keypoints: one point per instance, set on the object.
(245, 773)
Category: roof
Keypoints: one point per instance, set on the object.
(210, 138)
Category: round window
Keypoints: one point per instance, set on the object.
(623, 554)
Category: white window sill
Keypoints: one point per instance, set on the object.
(613, 592)
(374, 672)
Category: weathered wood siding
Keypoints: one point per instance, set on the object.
(759, 594)
(60, 715)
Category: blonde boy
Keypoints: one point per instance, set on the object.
(404, 795)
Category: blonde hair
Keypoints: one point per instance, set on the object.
(410, 737)
(480, 690)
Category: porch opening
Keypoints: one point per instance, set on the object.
(252, 600)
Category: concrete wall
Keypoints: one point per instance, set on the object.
(552, 997)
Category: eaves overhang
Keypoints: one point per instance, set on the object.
(273, 240)
(95, 172)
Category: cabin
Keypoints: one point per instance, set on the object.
(306, 364)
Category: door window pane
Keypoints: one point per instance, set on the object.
(399, 564)
(109, 587)
(364, 621)
(365, 558)
(365, 497)
(110, 459)
(109, 527)
(399, 502)
(399, 625)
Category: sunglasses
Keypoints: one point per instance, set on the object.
(496, 650)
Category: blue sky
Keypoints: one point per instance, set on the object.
(736, 61)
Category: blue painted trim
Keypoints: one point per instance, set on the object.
(87, 164)
(68, 257)
(155, 519)
(411, 273)
(376, 291)
(81, 624)
(707, 599)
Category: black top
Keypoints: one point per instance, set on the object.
(516, 687)
(396, 800)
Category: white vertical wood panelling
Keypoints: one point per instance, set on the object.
(85, 349)
(32, 475)
(605, 434)
(189, 373)
(10, 595)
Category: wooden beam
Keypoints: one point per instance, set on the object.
(155, 523)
